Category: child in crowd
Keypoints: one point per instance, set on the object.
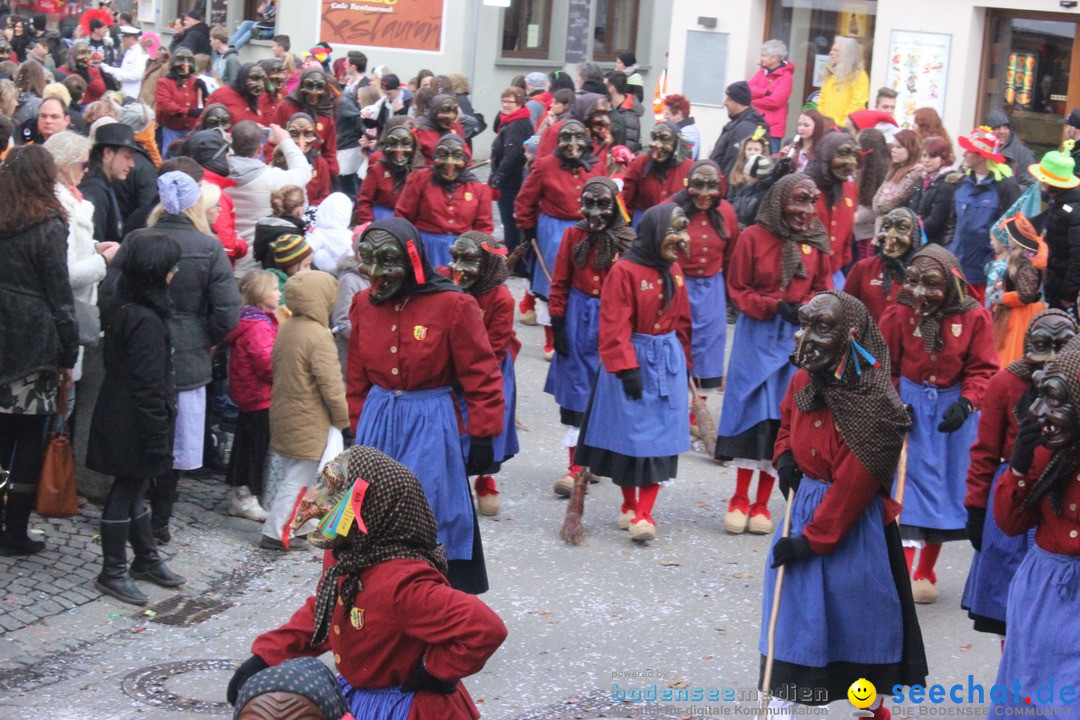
(561, 100)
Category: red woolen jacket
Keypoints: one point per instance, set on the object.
(710, 252)
(1054, 533)
(642, 191)
(587, 280)
(865, 281)
(497, 309)
(172, 100)
(753, 278)
(325, 129)
(251, 372)
(431, 209)
(426, 140)
(632, 301)
(238, 106)
(839, 222)
(552, 190)
(377, 189)
(997, 433)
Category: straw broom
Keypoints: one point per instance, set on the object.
(572, 530)
(706, 424)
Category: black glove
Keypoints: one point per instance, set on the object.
(955, 415)
(194, 112)
(528, 235)
(788, 311)
(791, 548)
(252, 665)
(632, 384)
(789, 473)
(423, 680)
(560, 342)
(1027, 439)
(976, 519)
(481, 455)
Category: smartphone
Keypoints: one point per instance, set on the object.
(265, 135)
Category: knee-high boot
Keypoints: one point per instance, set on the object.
(148, 564)
(114, 579)
(162, 495)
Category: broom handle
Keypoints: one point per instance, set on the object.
(901, 478)
(766, 680)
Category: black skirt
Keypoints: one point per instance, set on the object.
(470, 576)
(251, 447)
(753, 444)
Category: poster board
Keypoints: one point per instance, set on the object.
(413, 25)
(577, 30)
(918, 71)
(705, 67)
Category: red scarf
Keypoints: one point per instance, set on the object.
(519, 114)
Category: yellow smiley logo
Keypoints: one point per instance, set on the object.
(862, 693)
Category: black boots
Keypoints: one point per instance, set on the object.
(114, 578)
(14, 541)
(162, 495)
(148, 564)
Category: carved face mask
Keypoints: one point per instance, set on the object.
(255, 83)
(926, 281)
(598, 207)
(183, 63)
(84, 55)
(845, 161)
(398, 147)
(1053, 408)
(446, 114)
(281, 706)
(465, 258)
(275, 76)
(573, 141)
(382, 262)
(449, 160)
(218, 118)
(704, 186)
(600, 120)
(799, 211)
(303, 133)
(897, 233)
(662, 143)
(676, 239)
(820, 339)
(313, 88)
(1046, 337)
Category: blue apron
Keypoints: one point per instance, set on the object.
(838, 280)
(758, 375)
(168, 137)
(824, 603)
(636, 218)
(419, 429)
(381, 212)
(994, 566)
(1043, 643)
(437, 247)
(937, 462)
(708, 313)
(570, 378)
(382, 703)
(657, 425)
(505, 444)
(549, 234)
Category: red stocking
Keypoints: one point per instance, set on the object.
(909, 555)
(764, 487)
(742, 483)
(528, 302)
(549, 338)
(572, 469)
(629, 498)
(927, 559)
(646, 499)
(485, 485)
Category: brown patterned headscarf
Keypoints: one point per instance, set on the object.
(957, 300)
(770, 215)
(1065, 461)
(863, 401)
(612, 240)
(395, 511)
(493, 270)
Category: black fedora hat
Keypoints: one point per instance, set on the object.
(116, 134)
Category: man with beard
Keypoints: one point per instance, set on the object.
(388, 170)
(941, 342)
(876, 281)
(836, 158)
(445, 200)
(656, 175)
(245, 99)
(443, 116)
(314, 96)
(587, 252)
(176, 99)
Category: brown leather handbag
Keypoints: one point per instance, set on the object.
(57, 496)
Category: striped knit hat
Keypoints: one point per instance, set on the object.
(289, 250)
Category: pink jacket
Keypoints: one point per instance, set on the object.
(769, 92)
(251, 373)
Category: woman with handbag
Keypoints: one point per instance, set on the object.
(131, 434)
(35, 358)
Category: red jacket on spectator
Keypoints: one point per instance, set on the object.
(225, 227)
(769, 94)
(251, 373)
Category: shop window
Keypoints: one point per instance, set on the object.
(808, 27)
(614, 29)
(527, 29)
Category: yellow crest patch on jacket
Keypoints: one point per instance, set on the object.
(468, 197)
(356, 618)
(419, 332)
(956, 329)
(679, 280)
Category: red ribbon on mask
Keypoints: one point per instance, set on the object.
(414, 258)
(497, 251)
(357, 501)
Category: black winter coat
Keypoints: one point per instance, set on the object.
(204, 293)
(37, 312)
(108, 222)
(138, 188)
(935, 207)
(131, 433)
(1061, 225)
(197, 38)
(727, 145)
(508, 155)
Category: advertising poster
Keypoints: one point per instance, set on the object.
(918, 69)
(415, 25)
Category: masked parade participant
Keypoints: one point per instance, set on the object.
(388, 169)
(1008, 396)
(445, 200)
(402, 638)
(655, 176)
(176, 99)
(876, 280)
(1039, 491)
(836, 157)
(779, 263)
(942, 348)
(594, 112)
(245, 99)
(1017, 296)
(478, 267)
(586, 255)
(841, 430)
(301, 128)
(436, 339)
(216, 117)
(316, 97)
(81, 62)
(713, 227)
(636, 423)
(441, 119)
(275, 84)
(549, 204)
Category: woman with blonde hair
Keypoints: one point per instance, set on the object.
(847, 86)
(9, 97)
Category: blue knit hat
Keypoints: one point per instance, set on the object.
(178, 191)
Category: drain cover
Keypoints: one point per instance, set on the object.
(182, 611)
(148, 685)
